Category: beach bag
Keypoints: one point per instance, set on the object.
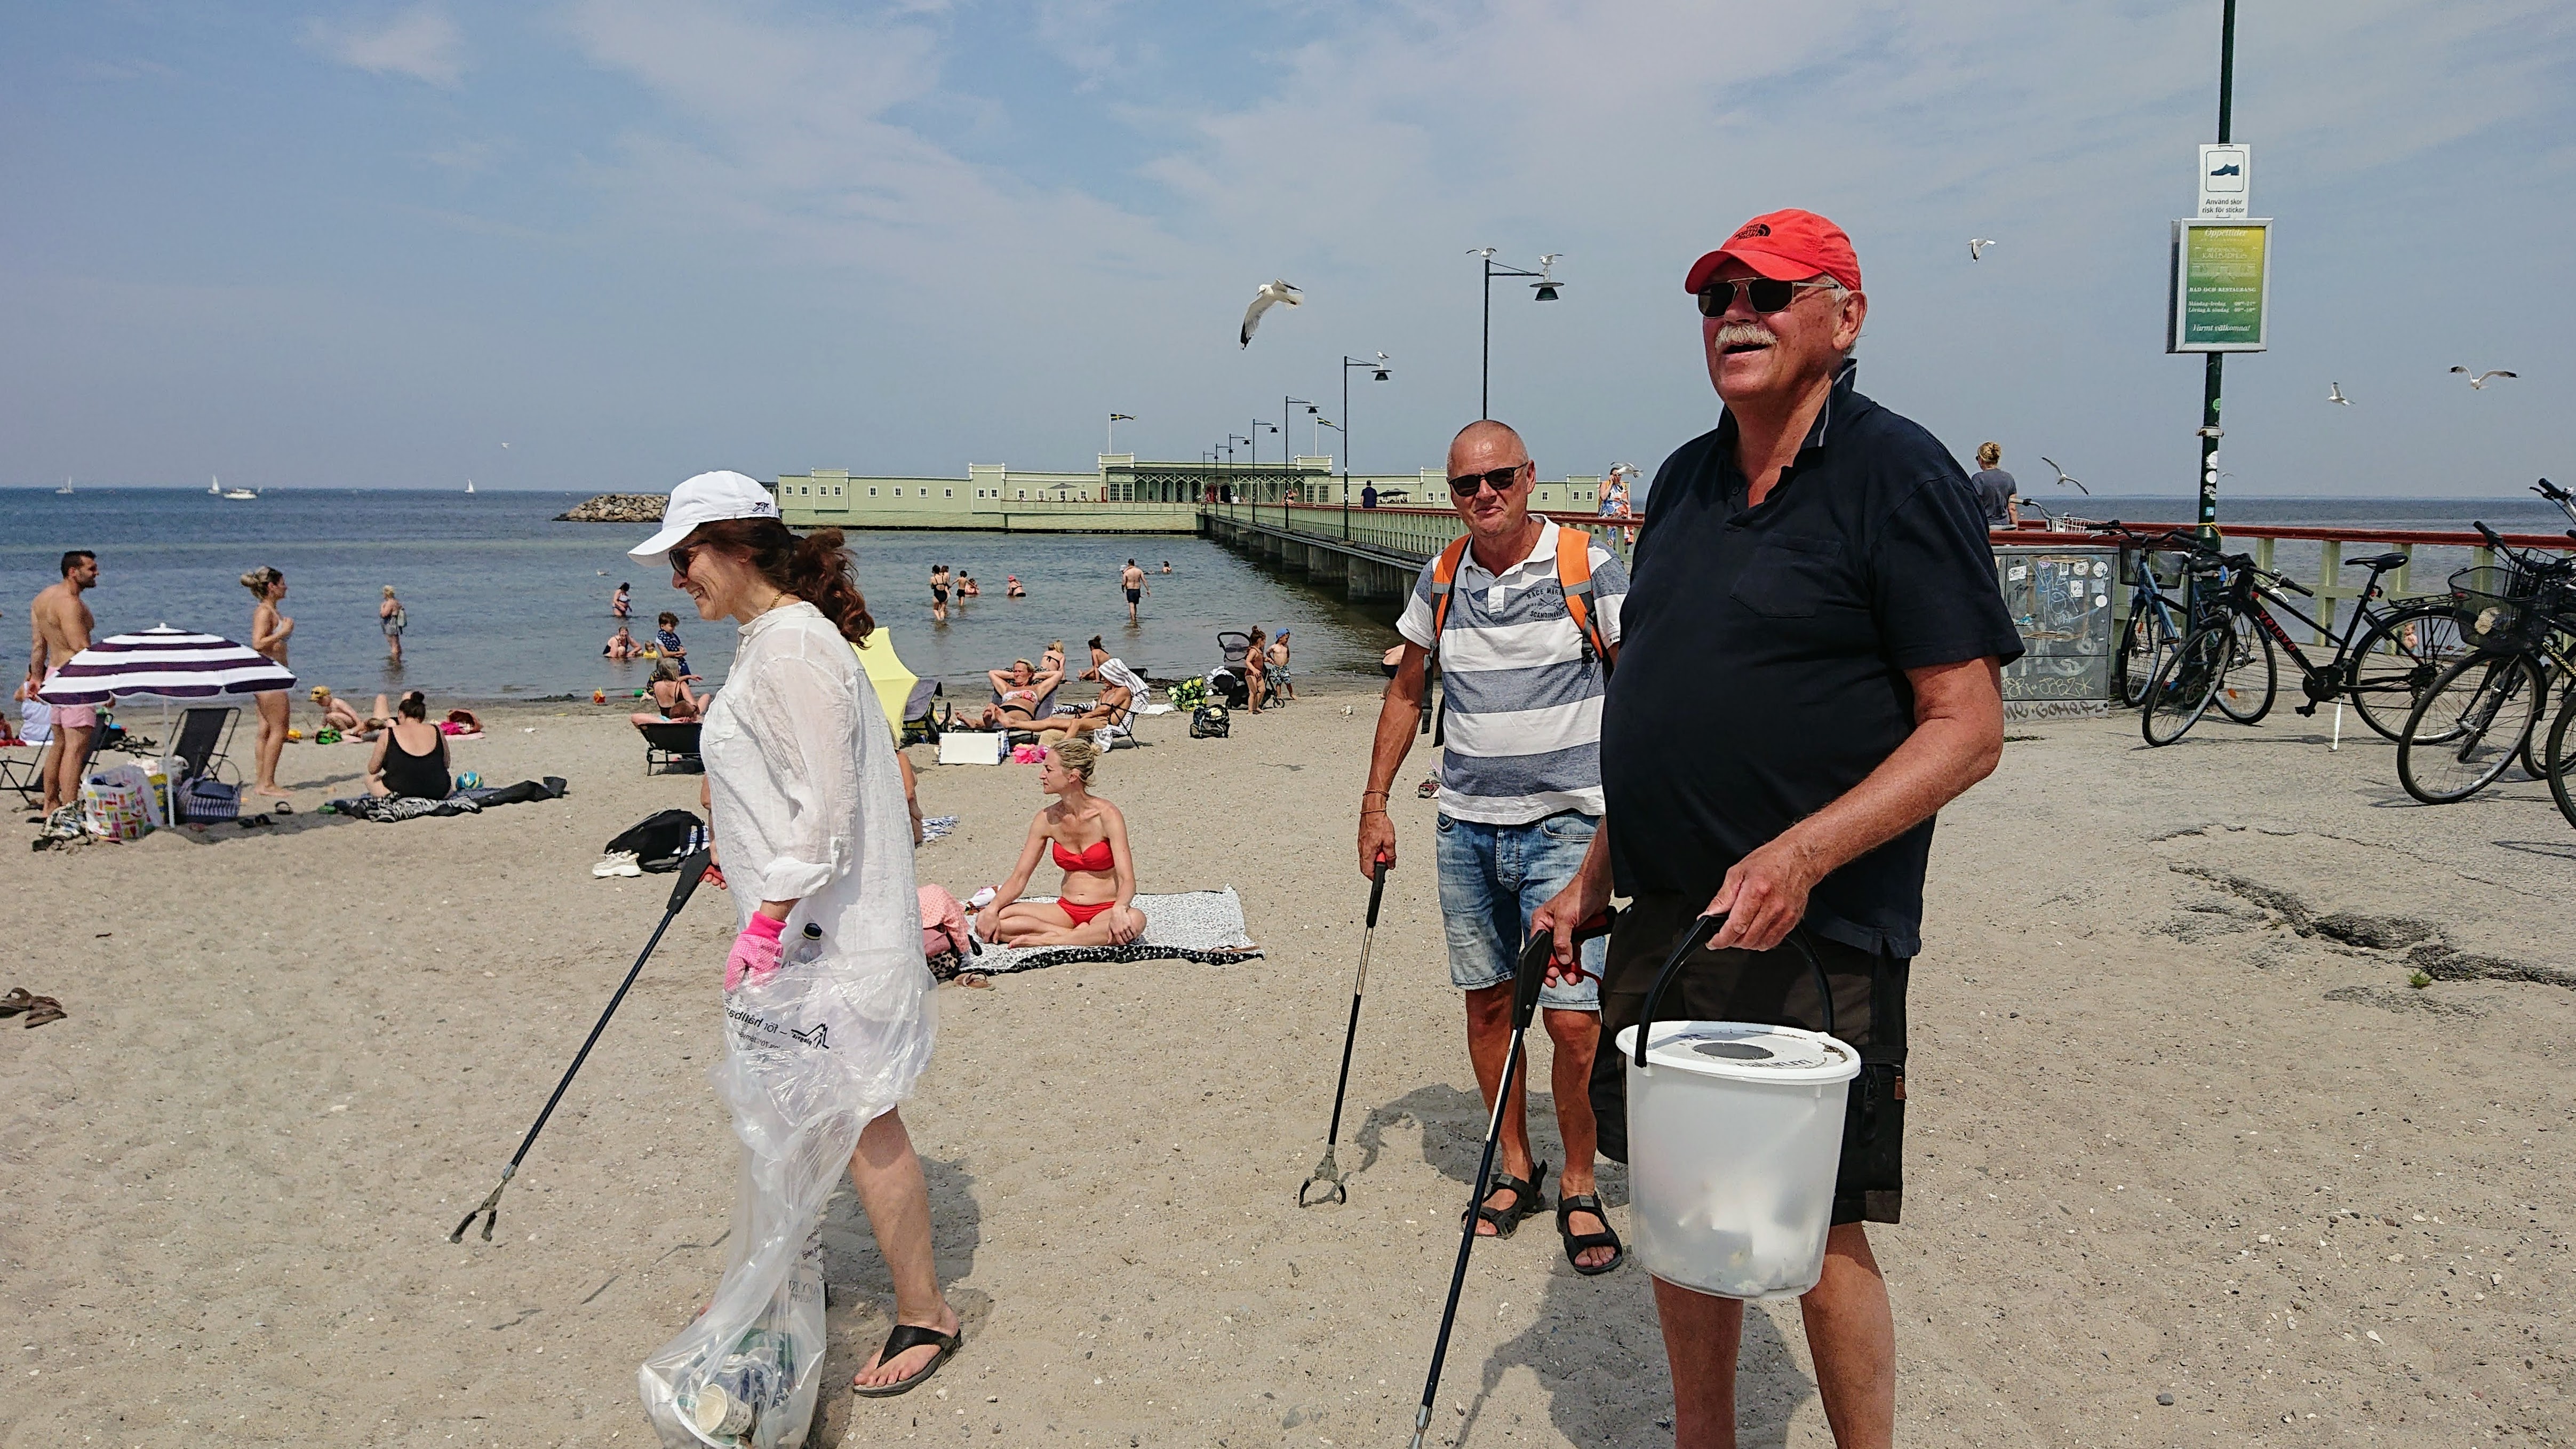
(1210, 722)
(662, 840)
(204, 800)
(112, 803)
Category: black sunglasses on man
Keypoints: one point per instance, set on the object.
(1763, 293)
(1499, 479)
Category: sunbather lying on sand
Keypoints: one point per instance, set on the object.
(336, 714)
(1089, 840)
(1021, 688)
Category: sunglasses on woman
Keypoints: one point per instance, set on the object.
(1499, 479)
(1763, 293)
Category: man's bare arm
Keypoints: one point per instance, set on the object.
(1397, 719)
(1958, 739)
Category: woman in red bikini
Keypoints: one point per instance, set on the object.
(1089, 840)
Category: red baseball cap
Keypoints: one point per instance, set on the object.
(1786, 246)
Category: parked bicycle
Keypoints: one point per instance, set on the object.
(2391, 651)
(2479, 714)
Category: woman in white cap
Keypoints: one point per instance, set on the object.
(825, 1037)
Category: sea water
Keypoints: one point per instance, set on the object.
(505, 603)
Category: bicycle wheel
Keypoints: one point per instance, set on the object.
(2397, 661)
(2182, 689)
(2252, 676)
(2552, 686)
(2467, 727)
(2141, 652)
(2558, 764)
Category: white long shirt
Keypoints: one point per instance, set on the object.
(808, 806)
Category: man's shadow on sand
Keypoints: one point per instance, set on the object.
(858, 1291)
(1595, 1346)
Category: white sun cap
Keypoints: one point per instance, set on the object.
(707, 498)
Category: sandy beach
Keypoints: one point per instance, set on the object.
(2179, 1128)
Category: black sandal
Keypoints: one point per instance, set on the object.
(1527, 1198)
(1577, 1243)
(905, 1338)
(19, 999)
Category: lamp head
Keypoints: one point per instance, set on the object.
(1546, 291)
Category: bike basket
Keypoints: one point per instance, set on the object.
(2497, 608)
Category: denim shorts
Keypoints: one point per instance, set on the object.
(1492, 878)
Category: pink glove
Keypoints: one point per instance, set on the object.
(755, 951)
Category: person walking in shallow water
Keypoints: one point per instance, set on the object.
(1132, 579)
(390, 617)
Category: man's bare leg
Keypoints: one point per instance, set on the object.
(1851, 1331)
(891, 1189)
(1851, 1335)
(61, 768)
(1577, 1035)
(1702, 1333)
(1489, 1041)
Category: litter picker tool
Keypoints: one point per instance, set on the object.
(1530, 975)
(692, 870)
(1325, 1171)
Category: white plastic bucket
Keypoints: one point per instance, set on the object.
(1735, 1132)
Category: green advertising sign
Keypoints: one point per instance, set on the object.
(2222, 278)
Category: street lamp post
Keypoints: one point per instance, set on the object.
(1287, 455)
(2215, 365)
(1379, 368)
(1546, 288)
(1230, 440)
(1252, 448)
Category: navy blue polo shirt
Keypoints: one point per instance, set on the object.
(1762, 672)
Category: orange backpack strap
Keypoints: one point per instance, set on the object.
(1574, 576)
(1444, 578)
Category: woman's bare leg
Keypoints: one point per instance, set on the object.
(887, 1174)
(272, 741)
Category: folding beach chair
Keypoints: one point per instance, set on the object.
(204, 733)
(670, 745)
(18, 768)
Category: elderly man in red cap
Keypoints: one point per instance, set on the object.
(1812, 586)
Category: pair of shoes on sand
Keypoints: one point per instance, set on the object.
(37, 1009)
(617, 862)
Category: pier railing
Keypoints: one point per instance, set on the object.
(2314, 556)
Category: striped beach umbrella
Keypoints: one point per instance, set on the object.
(171, 663)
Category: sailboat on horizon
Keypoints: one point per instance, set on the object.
(469, 485)
(67, 486)
(215, 486)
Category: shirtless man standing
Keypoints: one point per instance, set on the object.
(1132, 579)
(62, 629)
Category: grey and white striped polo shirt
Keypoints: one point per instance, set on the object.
(1524, 708)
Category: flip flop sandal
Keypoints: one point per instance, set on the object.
(1577, 1243)
(43, 1009)
(905, 1338)
(283, 807)
(1527, 1198)
(16, 1001)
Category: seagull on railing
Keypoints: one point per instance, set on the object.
(2064, 477)
(2334, 394)
(2479, 381)
(1977, 246)
(1271, 295)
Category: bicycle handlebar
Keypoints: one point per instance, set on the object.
(2489, 534)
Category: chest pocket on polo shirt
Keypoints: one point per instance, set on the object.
(1790, 577)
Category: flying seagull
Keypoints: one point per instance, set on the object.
(2334, 394)
(1977, 245)
(2479, 381)
(2064, 477)
(1270, 295)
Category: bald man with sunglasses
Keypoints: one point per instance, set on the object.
(1813, 584)
(1520, 790)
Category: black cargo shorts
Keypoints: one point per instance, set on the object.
(1774, 987)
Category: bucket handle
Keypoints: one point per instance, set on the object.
(1700, 933)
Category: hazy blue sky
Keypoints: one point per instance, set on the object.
(368, 244)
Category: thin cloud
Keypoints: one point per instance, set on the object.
(421, 42)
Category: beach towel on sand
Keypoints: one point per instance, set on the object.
(385, 809)
(1202, 926)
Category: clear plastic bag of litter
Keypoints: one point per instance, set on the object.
(813, 1054)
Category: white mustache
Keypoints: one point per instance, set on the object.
(1732, 333)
